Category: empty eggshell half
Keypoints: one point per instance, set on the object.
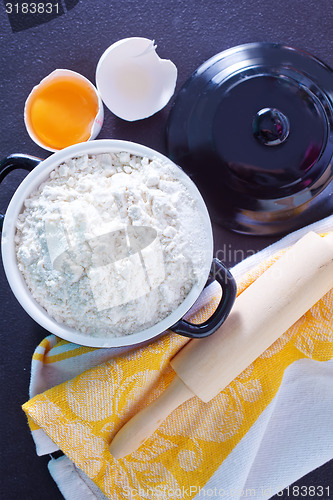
(133, 81)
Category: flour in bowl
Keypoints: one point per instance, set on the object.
(111, 244)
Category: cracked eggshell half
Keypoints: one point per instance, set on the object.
(133, 81)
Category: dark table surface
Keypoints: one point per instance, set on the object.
(188, 33)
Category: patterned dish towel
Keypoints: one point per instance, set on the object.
(247, 440)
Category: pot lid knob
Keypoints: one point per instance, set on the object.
(270, 127)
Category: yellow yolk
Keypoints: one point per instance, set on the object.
(61, 111)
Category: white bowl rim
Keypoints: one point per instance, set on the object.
(16, 281)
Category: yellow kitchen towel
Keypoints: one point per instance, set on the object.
(81, 415)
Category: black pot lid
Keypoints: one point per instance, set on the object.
(253, 126)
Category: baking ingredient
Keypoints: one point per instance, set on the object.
(61, 110)
(107, 244)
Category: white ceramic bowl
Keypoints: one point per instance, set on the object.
(16, 280)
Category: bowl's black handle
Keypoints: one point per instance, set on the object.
(229, 291)
(12, 162)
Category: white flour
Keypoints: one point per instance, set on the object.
(110, 244)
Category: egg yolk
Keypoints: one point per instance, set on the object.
(61, 111)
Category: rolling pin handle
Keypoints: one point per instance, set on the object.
(139, 428)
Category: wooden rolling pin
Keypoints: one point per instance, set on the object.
(260, 315)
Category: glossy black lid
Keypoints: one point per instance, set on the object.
(253, 126)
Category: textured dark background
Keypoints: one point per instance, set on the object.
(188, 33)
